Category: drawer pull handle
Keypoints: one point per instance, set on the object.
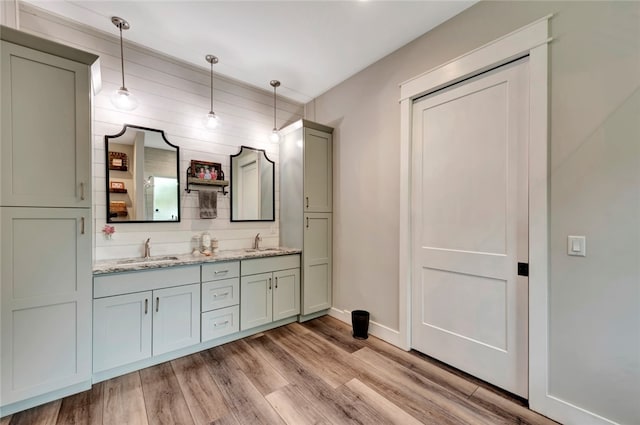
(224, 294)
(82, 225)
(146, 305)
(307, 201)
(276, 283)
(157, 304)
(269, 283)
(221, 271)
(307, 222)
(225, 323)
(82, 191)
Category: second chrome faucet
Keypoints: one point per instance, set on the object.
(147, 248)
(256, 242)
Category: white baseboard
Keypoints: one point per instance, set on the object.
(378, 330)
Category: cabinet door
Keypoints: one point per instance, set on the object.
(45, 153)
(176, 318)
(316, 259)
(256, 302)
(121, 330)
(46, 300)
(286, 293)
(317, 171)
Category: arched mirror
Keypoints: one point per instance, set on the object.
(142, 176)
(252, 186)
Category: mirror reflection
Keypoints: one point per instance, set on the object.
(142, 176)
(252, 186)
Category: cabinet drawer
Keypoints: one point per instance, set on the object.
(220, 293)
(220, 322)
(219, 271)
(147, 280)
(270, 264)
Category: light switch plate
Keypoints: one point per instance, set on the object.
(577, 246)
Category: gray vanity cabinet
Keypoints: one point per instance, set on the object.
(143, 314)
(46, 221)
(306, 207)
(270, 289)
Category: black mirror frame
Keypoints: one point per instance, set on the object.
(106, 157)
(273, 179)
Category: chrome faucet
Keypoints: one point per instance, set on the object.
(147, 248)
(256, 242)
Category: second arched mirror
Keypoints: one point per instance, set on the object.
(252, 186)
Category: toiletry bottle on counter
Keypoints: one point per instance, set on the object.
(206, 241)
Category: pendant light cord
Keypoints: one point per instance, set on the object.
(274, 108)
(211, 86)
(121, 56)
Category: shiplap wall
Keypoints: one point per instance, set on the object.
(173, 96)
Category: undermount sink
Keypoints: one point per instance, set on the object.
(261, 249)
(148, 260)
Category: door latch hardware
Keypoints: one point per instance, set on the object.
(523, 269)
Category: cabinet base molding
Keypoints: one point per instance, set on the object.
(132, 367)
(16, 407)
(307, 317)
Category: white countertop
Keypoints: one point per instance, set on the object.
(157, 262)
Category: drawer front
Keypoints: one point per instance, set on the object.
(146, 280)
(220, 293)
(219, 271)
(270, 264)
(218, 323)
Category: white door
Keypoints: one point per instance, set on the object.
(176, 318)
(470, 226)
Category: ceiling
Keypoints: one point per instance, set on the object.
(310, 46)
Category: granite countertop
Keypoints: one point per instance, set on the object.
(162, 261)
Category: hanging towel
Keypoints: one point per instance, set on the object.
(208, 200)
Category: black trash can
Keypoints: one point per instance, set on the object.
(360, 323)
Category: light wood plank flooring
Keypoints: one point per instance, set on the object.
(311, 373)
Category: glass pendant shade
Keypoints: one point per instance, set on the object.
(124, 100)
(274, 137)
(211, 120)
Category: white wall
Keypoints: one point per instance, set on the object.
(595, 187)
(173, 96)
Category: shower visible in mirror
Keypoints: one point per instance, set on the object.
(252, 186)
(142, 176)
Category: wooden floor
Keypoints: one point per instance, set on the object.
(311, 373)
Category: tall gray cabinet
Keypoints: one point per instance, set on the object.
(306, 206)
(45, 221)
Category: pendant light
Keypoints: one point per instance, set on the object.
(275, 134)
(122, 98)
(211, 121)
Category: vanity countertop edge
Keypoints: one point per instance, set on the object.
(114, 266)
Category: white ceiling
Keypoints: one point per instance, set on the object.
(310, 46)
